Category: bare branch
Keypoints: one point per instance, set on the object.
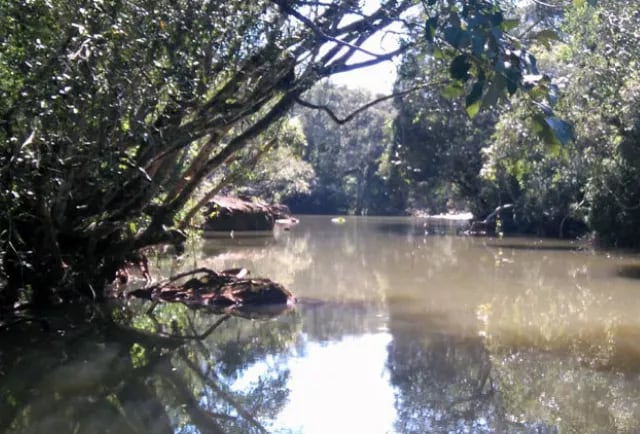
(318, 31)
(356, 112)
(174, 203)
(549, 5)
(343, 67)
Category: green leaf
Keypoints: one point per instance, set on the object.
(459, 68)
(497, 19)
(562, 130)
(495, 91)
(519, 169)
(545, 37)
(543, 131)
(454, 36)
(554, 131)
(473, 109)
(477, 44)
(510, 24)
(133, 227)
(580, 3)
(512, 76)
(438, 54)
(453, 90)
(430, 28)
(472, 101)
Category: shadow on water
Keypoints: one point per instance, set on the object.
(419, 228)
(629, 271)
(534, 246)
(142, 374)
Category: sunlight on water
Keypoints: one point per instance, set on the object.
(354, 365)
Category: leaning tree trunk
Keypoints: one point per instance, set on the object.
(122, 110)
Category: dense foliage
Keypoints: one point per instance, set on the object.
(594, 179)
(437, 146)
(558, 187)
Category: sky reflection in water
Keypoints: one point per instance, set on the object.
(355, 366)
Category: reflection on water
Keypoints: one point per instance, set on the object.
(396, 331)
(355, 366)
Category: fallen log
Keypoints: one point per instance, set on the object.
(229, 291)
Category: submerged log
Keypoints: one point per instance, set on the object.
(228, 291)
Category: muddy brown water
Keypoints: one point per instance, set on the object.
(398, 331)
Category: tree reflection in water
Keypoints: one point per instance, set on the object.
(553, 344)
(113, 378)
(444, 380)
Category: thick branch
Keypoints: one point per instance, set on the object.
(234, 176)
(173, 204)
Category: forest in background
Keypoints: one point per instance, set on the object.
(422, 152)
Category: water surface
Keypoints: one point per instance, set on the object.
(397, 331)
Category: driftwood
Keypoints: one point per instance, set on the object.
(483, 227)
(229, 291)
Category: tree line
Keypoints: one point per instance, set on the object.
(423, 151)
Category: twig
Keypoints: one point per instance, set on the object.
(530, 28)
(549, 5)
(226, 396)
(197, 337)
(181, 275)
(356, 112)
(335, 69)
(318, 31)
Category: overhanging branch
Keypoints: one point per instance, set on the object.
(356, 112)
(172, 204)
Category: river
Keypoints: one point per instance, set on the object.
(398, 330)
